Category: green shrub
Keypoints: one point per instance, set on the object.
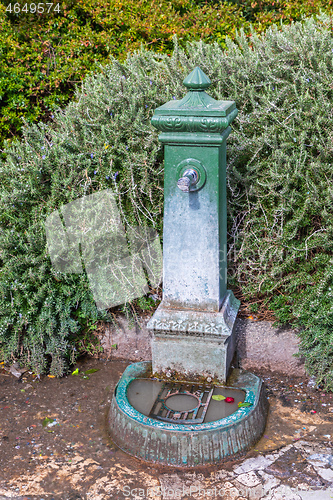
(280, 185)
(263, 13)
(43, 56)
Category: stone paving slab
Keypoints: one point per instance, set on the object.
(254, 478)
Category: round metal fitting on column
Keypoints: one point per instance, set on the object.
(197, 166)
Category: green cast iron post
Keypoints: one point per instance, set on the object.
(193, 336)
(195, 319)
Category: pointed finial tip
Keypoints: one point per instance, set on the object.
(197, 80)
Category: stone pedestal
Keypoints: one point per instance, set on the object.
(194, 345)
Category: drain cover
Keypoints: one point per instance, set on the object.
(182, 403)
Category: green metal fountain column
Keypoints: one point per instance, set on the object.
(193, 328)
(193, 336)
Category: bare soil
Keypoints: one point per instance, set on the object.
(54, 442)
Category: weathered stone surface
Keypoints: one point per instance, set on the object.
(249, 479)
(249, 485)
(229, 491)
(194, 343)
(292, 466)
(313, 494)
(254, 340)
(283, 492)
(326, 474)
(321, 459)
(269, 482)
(259, 344)
(257, 463)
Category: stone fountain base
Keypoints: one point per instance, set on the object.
(187, 445)
(195, 344)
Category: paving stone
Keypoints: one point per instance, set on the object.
(320, 459)
(250, 479)
(172, 485)
(230, 492)
(269, 482)
(280, 468)
(197, 486)
(326, 474)
(307, 448)
(326, 494)
(311, 448)
(256, 463)
(249, 485)
(303, 487)
(222, 475)
(294, 469)
(282, 451)
(284, 492)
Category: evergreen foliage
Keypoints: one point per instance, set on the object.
(280, 185)
(45, 54)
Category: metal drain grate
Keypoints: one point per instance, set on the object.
(197, 396)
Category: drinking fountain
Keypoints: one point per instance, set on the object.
(188, 407)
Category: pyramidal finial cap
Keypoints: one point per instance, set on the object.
(197, 80)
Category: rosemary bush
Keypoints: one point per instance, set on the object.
(280, 185)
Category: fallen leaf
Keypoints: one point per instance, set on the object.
(47, 421)
(244, 405)
(92, 370)
(75, 372)
(218, 397)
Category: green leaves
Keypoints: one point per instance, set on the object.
(47, 421)
(85, 374)
(280, 176)
(44, 57)
(218, 397)
(92, 370)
